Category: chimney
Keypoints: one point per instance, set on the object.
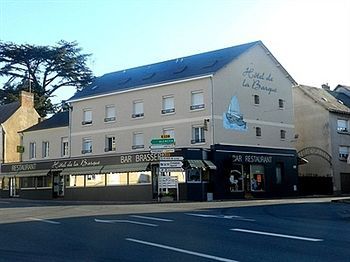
(326, 87)
(26, 99)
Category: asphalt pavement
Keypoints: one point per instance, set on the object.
(313, 229)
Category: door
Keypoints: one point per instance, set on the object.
(14, 186)
(58, 185)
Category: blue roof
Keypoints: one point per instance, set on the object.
(57, 120)
(167, 71)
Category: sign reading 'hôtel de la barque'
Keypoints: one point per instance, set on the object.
(81, 162)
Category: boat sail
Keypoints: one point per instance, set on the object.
(233, 119)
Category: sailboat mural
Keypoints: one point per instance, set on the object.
(233, 119)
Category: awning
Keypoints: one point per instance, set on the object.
(209, 164)
(196, 163)
(82, 170)
(31, 173)
(142, 166)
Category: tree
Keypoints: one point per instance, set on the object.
(42, 70)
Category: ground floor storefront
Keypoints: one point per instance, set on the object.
(222, 172)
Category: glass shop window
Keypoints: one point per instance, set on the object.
(257, 178)
(194, 175)
(236, 178)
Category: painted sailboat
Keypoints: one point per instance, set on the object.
(233, 119)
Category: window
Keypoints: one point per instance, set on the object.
(95, 180)
(110, 113)
(169, 131)
(138, 141)
(45, 150)
(76, 181)
(28, 182)
(117, 179)
(110, 143)
(343, 125)
(32, 150)
(236, 178)
(256, 100)
(280, 103)
(344, 152)
(168, 105)
(258, 131)
(283, 134)
(64, 147)
(87, 117)
(197, 135)
(197, 100)
(194, 175)
(257, 178)
(87, 145)
(137, 109)
(44, 181)
(143, 177)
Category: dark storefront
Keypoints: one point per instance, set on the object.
(244, 172)
(225, 172)
(124, 177)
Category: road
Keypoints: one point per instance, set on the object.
(311, 229)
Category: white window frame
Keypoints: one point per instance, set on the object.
(45, 149)
(110, 114)
(198, 134)
(168, 104)
(86, 145)
(197, 100)
(113, 143)
(169, 131)
(64, 147)
(138, 140)
(32, 150)
(87, 116)
(344, 126)
(138, 110)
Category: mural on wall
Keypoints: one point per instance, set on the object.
(233, 119)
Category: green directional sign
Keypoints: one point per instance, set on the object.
(162, 141)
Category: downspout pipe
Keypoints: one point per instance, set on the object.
(212, 112)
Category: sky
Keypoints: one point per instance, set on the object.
(310, 38)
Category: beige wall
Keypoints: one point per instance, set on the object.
(53, 136)
(233, 81)
(25, 117)
(312, 127)
(151, 125)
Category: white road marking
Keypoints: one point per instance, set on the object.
(153, 218)
(221, 216)
(4, 202)
(180, 250)
(44, 220)
(276, 235)
(124, 221)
